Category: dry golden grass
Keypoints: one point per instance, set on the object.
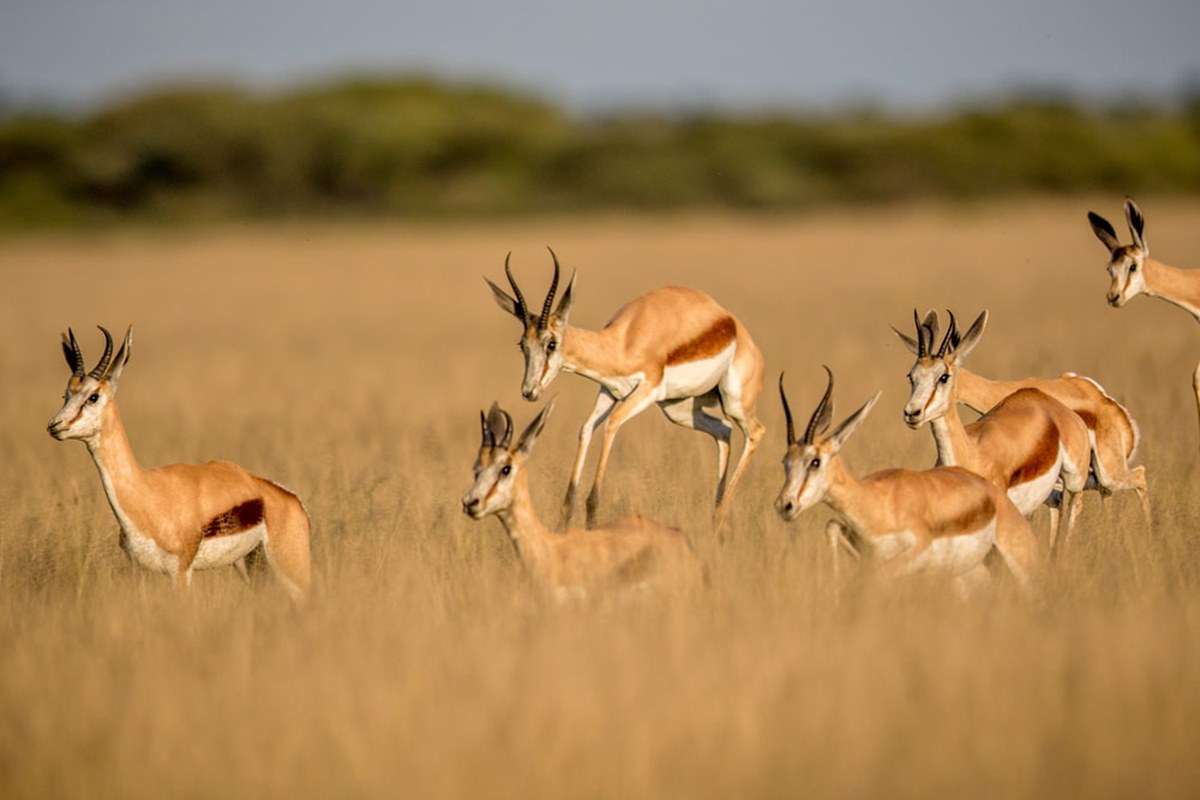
(349, 362)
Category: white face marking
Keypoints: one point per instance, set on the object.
(931, 380)
(81, 414)
(1127, 275)
(542, 350)
(805, 481)
(691, 378)
(491, 491)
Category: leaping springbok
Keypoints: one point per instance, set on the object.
(1112, 431)
(633, 554)
(673, 346)
(1134, 272)
(1026, 445)
(181, 517)
(941, 521)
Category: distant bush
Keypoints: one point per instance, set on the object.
(419, 147)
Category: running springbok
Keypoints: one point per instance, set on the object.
(1112, 431)
(1027, 444)
(634, 554)
(942, 521)
(181, 517)
(673, 346)
(1134, 272)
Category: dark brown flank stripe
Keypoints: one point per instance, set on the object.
(1040, 460)
(709, 343)
(970, 519)
(1088, 418)
(240, 518)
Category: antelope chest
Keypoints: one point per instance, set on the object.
(690, 378)
(144, 550)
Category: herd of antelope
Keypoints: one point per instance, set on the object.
(1039, 441)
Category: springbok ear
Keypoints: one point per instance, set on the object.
(909, 342)
(564, 304)
(530, 435)
(121, 359)
(500, 425)
(932, 324)
(506, 302)
(971, 338)
(844, 431)
(1104, 231)
(1137, 225)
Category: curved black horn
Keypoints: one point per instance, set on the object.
(101, 369)
(787, 413)
(72, 353)
(545, 317)
(823, 414)
(521, 305)
(922, 345)
(508, 430)
(951, 340)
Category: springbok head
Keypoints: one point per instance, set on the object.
(1126, 264)
(499, 463)
(933, 374)
(542, 334)
(88, 394)
(806, 465)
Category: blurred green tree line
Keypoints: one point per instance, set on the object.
(420, 147)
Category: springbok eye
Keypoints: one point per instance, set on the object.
(95, 398)
(506, 469)
(552, 346)
(1133, 267)
(814, 464)
(945, 378)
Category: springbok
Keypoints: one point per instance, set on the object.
(673, 346)
(1112, 431)
(633, 554)
(1026, 445)
(1134, 272)
(943, 521)
(182, 517)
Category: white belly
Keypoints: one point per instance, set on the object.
(221, 551)
(955, 555)
(692, 378)
(1028, 496)
(887, 546)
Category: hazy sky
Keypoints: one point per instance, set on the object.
(747, 52)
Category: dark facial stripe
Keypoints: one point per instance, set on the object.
(240, 518)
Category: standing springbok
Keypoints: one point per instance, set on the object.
(673, 346)
(634, 554)
(1134, 272)
(181, 517)
(941, 521)
(1027, 444)
(1112, 431)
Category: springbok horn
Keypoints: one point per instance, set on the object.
(71, 351)
(486, 432)
(922, 346)
(508, 430)
(545, 317)
(787, 413)
(101, 369)
(949, 343)
(516, 289)
(823, 414)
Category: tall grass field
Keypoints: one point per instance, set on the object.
(350, 361)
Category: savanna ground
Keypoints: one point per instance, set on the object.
(350, 363)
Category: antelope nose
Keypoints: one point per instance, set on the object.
(910, 415)
(470, 504)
